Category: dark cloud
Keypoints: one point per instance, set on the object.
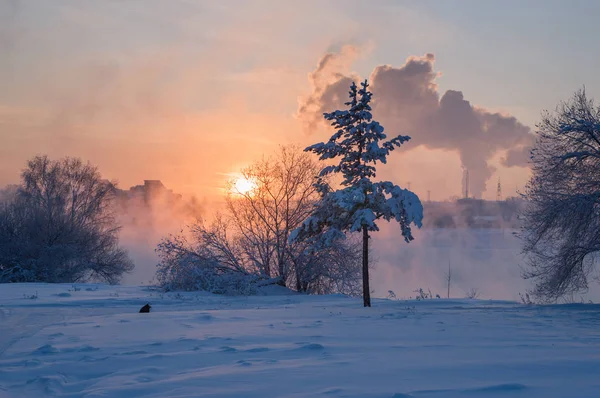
(407, 101)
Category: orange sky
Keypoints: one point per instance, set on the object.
(188, 107)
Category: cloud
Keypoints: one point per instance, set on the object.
(407, 101)
(329, 83)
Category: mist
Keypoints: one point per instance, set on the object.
(488, 260)
(484, 259)
(147, 214)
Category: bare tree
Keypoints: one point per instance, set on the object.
(449, 278)
(59, 226)
(208, 260)
(282, 199)
(561, 230)
(253, 236)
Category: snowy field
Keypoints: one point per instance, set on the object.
(91, 341)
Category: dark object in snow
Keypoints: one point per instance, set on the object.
(145, 308)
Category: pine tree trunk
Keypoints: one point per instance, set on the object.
(365, 271)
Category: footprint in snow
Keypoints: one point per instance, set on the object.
(494, 388)
(187, 340)
(258, 349)
(333, 391)
(46, 349)
(85, 348)
(312, 346)
(88, 358)
(499, 388)
(243, 362)
(28, 363)
(155, 356)
(138, 352)
(205, 317)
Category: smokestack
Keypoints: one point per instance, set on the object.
(499, 191)
(466, 176)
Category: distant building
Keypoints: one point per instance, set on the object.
(143, 205)
(152, 190)
(472, 213)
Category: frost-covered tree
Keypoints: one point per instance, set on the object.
(561, 229)
(358, 144)
(58, 225)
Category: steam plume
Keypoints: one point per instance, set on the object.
(407, 101)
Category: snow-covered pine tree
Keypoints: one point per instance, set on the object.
(359, 144)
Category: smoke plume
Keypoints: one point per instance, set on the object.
(407, 101)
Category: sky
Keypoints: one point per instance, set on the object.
(189, 92)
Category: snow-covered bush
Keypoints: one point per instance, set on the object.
(198, 274)
(206, 264)
(212, 261)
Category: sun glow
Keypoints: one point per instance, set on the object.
(243, 185)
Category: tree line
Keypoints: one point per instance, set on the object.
(306, 223)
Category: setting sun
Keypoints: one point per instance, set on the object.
(243, 185)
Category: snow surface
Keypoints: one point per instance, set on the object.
(91, 341)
